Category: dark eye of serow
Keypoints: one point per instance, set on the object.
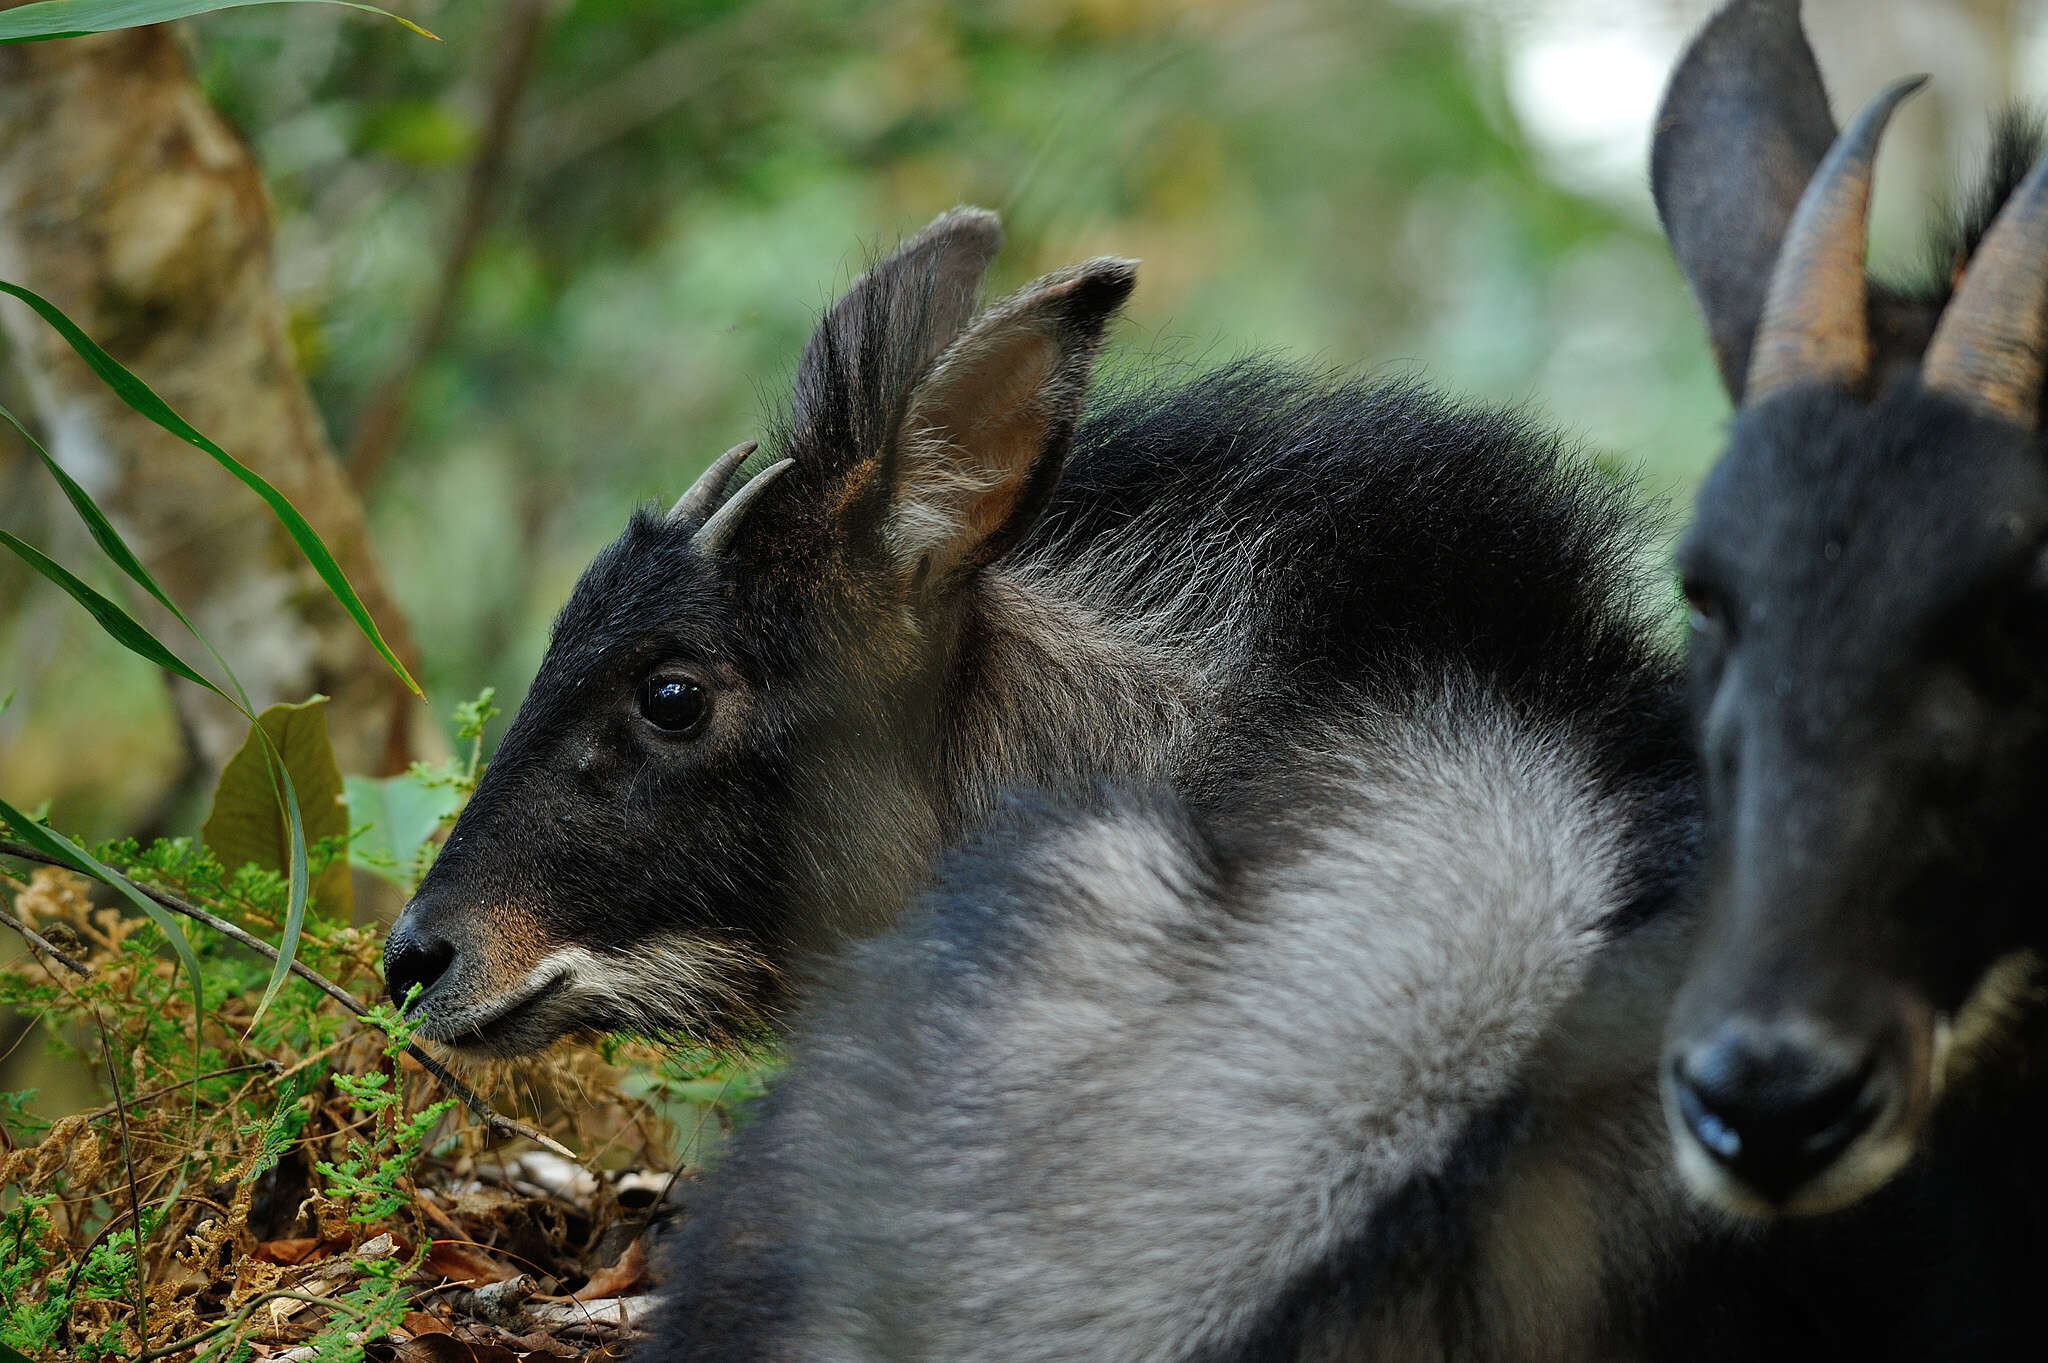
(674, 705)
(1703, 611)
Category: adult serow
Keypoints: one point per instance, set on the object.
(1868, 577)
(763, 716)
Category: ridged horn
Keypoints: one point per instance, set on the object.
(1991, 346)
(725, 522)
(1815, 325)
(694, 506)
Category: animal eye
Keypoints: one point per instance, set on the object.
(1703, 609)
(674, 705)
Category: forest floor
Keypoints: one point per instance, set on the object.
(311, 1185)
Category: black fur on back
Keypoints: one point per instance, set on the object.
(1357, 540)
(2018, 136)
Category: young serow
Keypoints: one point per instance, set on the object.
(763, 716)
(1868, 579)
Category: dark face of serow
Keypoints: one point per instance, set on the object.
(730, 758)
(1868, 577)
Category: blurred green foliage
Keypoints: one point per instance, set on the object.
(692, 180)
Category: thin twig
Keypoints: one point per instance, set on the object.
(377, 431)
(42, 945)
(273, 1066)
(241, 1317)
(134, 1200)
(485, 1113)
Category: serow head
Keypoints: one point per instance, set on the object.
(733, 751)
(1868, 579)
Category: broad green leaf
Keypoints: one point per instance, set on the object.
(117, 622)
(50, 842)
(141, 398)
(250, 820)
(401, 812)
(76, 18)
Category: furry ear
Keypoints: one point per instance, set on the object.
(1743, 125)
(986, 432)
(859, 366)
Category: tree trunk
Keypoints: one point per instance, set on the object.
(128, 202)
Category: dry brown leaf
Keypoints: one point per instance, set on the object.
(423, 1323)
(446, 1348)
(293, 1251)
(613, 1280)
(465, 1264)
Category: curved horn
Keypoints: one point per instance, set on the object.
(1815, 325)
(694, 506)
(719, 530)
(1991, 346)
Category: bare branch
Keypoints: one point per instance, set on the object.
(377, 431)
(42, 947)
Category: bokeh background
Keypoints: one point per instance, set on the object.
(1447, 187)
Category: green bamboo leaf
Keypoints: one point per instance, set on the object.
(115, 621)
(143, 399)
(112, 616)
(51, 843)
(295, 857)
(96, 523)
(76, 18)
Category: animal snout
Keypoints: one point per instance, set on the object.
(1771, 1113)
(414, 955)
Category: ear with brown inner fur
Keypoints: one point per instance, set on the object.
(987, 430)
(858, 369)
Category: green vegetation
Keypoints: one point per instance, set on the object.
(310, 1126)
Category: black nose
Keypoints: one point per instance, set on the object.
(413, 957)
(1774, 1115)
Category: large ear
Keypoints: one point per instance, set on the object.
(860, 365)
(1743, 126)
(987, 431)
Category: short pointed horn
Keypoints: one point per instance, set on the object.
(725, 522)
(1991, 346)
(1815, 325)
(694, 507)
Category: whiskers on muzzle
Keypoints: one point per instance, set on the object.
(708, 988)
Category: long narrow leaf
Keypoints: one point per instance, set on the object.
(131, 633)
(76, 18)
(143, 399)
(124, 558)
(127, 631)
(101, 529)
(52, 843)
(295, 857)
(115, 621)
